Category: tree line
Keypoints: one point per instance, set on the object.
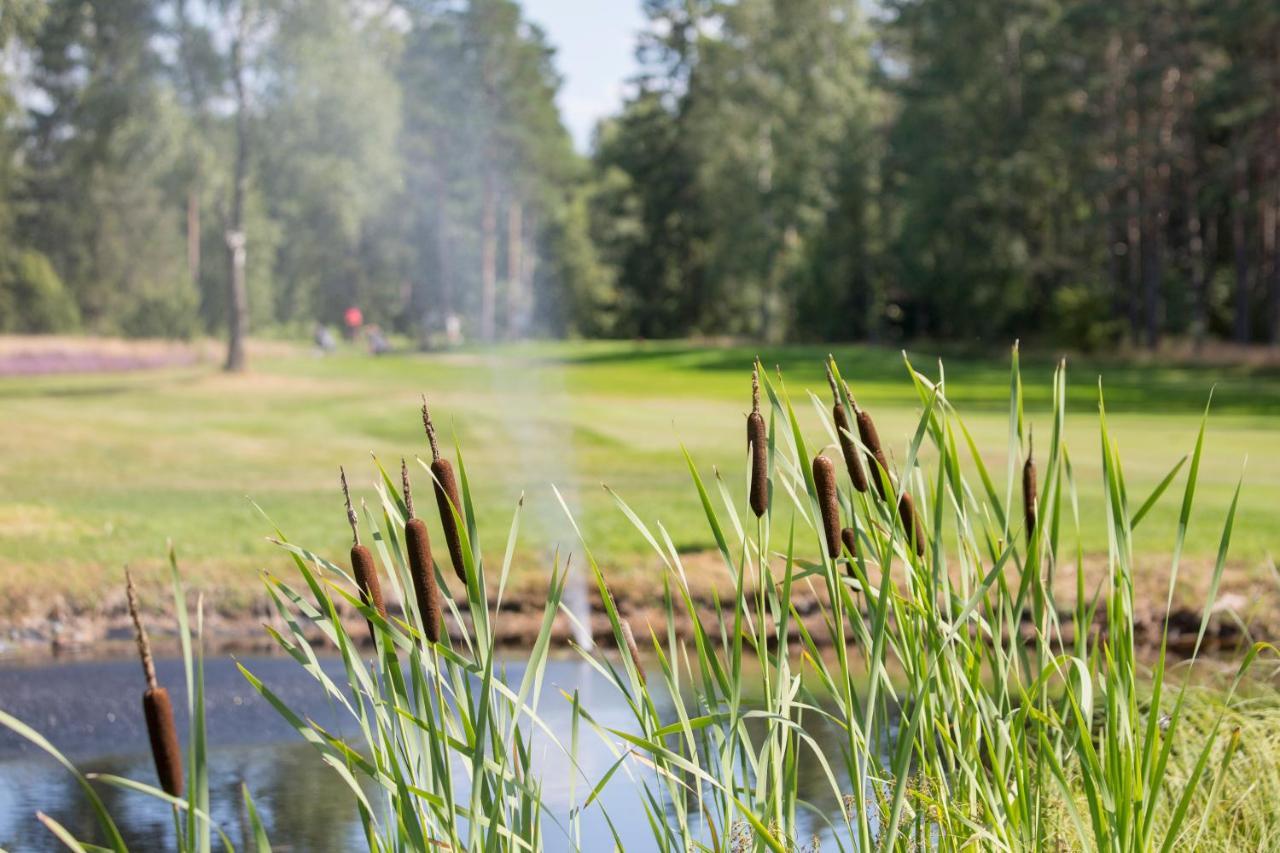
(1088, 172)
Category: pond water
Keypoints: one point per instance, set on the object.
(91, 710)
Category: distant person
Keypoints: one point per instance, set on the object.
(352, 320)
(378, 343)
(324, 339)
(453, 330)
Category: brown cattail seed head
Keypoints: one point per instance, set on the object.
(877, 464)
(418, 544)
(1030, 506)
(630, 639)
(447, 501)
(446, 489)
(757, 445)
(911, 525)
(164, 739)
(849, 539)
(844, 432)
(367, 579)
(824, 481)
(848, 449)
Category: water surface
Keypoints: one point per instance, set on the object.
(91, 710)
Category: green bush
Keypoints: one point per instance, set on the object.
(32, 296)
(1085, 319)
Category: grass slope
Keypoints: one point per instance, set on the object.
(98, 470)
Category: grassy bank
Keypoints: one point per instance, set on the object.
(98, 470)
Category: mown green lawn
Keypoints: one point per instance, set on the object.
(97, 471)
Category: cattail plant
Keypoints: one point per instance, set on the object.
(630, 639)
(446, 498)
(877, 464)
(758, 448)
(911, 524)
(417, 543)
(844, 432)
(1029, 499)
(849, 539)
(362, 563)
(824, 481)
(156, 707)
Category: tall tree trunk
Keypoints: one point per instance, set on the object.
(528, 269)
(1158, 168)
(1240, 243)
(444, 269)
(1271, 228)
(1111, 202)
(1152, 269)
(193, 232)
(1133, 240)
(1133, 214)
(488, 257)
(1196, 262)
(515, 268)
(237, 293)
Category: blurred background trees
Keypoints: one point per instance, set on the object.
(1087, 172)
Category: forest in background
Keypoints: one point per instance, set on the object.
(1089, 173)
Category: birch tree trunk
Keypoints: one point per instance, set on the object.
(237, 294)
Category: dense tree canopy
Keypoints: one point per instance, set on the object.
(1082, 171)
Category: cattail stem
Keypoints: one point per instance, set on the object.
(757, 446)
(351, 513)
(1030, 500)
(418, 543)
(408, 492)
(844, 432)
(430, 430)
(140, 633)
(446, 488)
(157, 710)
(824, 481)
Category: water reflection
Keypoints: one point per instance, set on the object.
(91, 711)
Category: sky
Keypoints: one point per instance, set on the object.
(595, 45)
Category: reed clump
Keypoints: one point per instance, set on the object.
(757, 446)
(362, 565)
(446, 488)
(156, 707)
(417, 543)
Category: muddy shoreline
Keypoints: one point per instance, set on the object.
(107, 632)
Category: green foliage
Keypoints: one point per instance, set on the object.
(781, 169)
(32, 297)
